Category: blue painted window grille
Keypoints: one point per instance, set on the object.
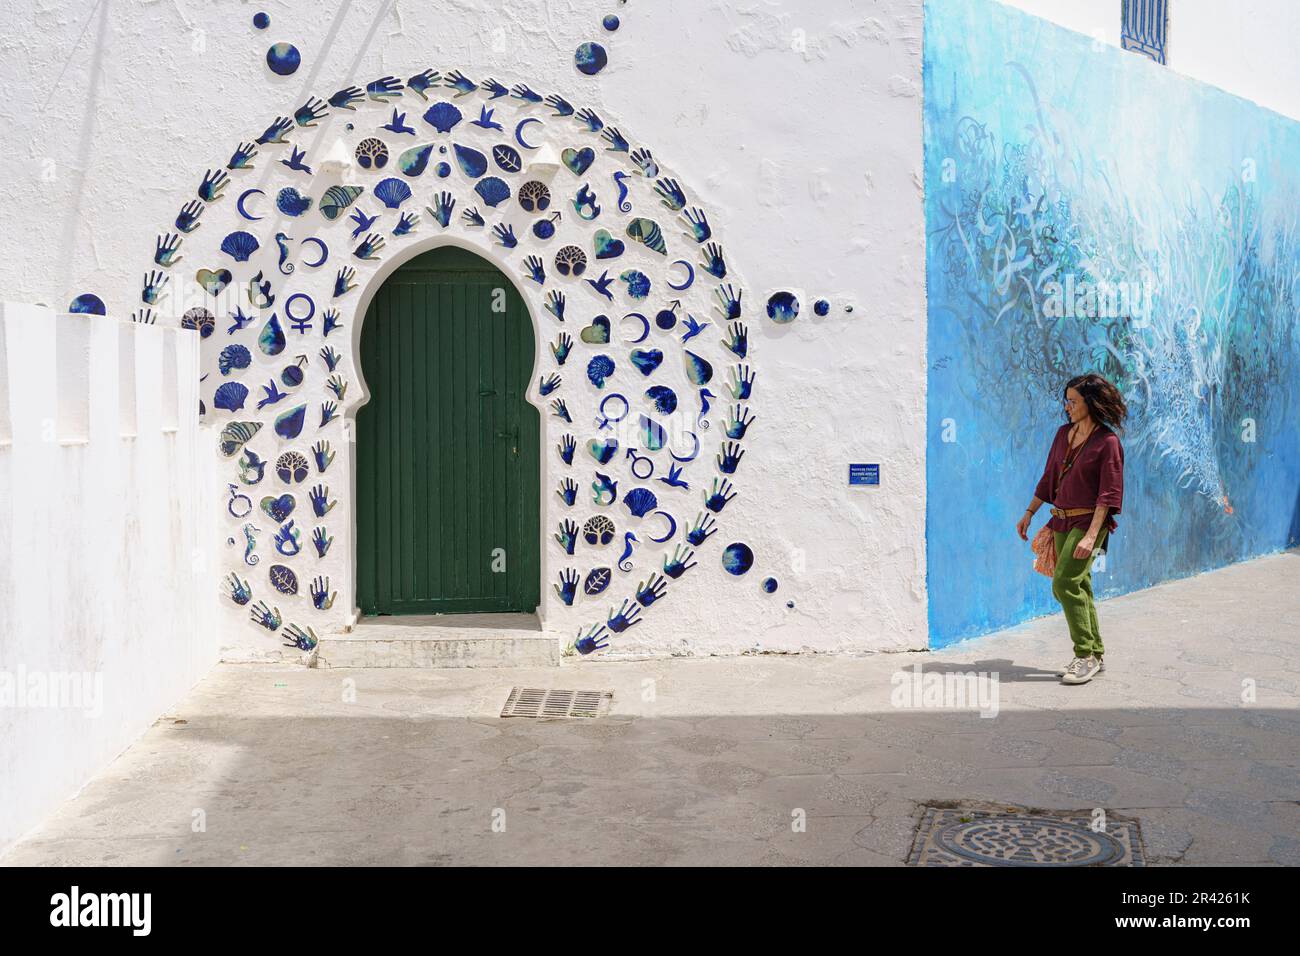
(1146, 27)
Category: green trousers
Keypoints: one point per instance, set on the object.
(1072, 587)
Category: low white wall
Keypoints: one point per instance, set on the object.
(106, 594)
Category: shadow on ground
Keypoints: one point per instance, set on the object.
(1207, 785)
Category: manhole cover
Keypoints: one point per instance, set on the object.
(549, 702)
(948, 837)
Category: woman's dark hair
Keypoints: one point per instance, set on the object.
(1105, 403)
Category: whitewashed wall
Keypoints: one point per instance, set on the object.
(796, 125)
(105, 527)
(1246, 47)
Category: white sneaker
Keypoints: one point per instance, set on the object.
(1080, 670)
(1101, 668)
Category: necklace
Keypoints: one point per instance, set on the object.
(1085, 437)
(1072, 453)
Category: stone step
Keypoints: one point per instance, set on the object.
(442, 640)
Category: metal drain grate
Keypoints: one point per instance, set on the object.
(549, 702)
(948, 837)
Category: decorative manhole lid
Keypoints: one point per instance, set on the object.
(952, 837)
(549, 702)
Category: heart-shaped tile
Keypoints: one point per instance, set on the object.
(278, 508)
(647, 360)
(603, 451)
(214, 282)
(598, 332)
(578, 160)
(607, 247)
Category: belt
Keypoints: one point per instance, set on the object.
(1071, 512)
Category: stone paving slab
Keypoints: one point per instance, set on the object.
(763, 760)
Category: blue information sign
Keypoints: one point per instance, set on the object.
(864, 474)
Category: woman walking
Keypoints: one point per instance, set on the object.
(1084, 481)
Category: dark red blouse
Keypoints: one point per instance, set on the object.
(1095, 478)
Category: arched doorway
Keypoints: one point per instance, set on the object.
(448, 469)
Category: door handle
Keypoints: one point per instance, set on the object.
(485, 392)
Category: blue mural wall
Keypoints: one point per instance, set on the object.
(1089, 210)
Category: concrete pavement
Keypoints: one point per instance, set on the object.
(1194, 731)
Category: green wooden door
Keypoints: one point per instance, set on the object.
(448, 473)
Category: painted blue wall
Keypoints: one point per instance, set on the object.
(1048, 155)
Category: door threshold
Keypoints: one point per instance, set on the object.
(441, 640)
(414, 627)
